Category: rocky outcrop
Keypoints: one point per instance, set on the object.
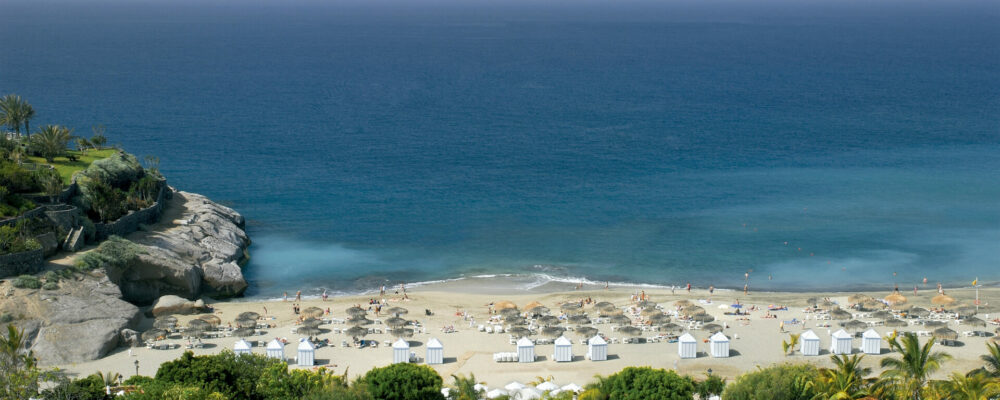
(80, 321)
(170, 304)
(196, 248)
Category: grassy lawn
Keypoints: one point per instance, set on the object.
(66, 168)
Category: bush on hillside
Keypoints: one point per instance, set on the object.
(115, 255)
(402, 382)
(27, 282)
(13, 240)
(119, 170)
(634, 383)
(233, 376)
(780, 382)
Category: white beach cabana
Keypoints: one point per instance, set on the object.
(597, 349)
(840, 342)
(400, 352)
(276, 349)
(435, 352)
(525, 350)
(687, 346)
(307, 353)
(720, 345)
(241, 347)
(871, 342)
(563, 350)
(810, 343)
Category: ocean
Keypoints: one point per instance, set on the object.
(819, 145)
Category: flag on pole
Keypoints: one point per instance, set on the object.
(975, 281)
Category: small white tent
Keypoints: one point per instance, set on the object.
(276, 349)
(525, 350)
(597, 349)
(435, 352)
(687, 346)
(840, 342)
(720, 345)
(871, 342)
(241, 347)
(564, 350)
(307, 353)
(810, 343)
(400, 352)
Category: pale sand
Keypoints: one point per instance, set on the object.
(470, 352)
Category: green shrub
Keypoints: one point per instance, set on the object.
(713, 385)
(115, 254)
(119, 170)
(233, 376)
(635, 383)
(12, 240)
(50, 286)
(402, 382)
(780, 382)
(51, 276)
(88, 388)
(27, 282)
(5, 318)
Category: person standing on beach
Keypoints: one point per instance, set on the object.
(746, 290)
(672, 287)
(711, 291)
(285, 296)
(298, 296)
(382, 292)
(324, 294)
(914, 290)
(689, 287)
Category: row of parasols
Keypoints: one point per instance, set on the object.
(607, 311)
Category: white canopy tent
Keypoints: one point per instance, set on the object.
(435, 352)
(547, 386)
(563, 350)
(276, 349)
(720, 345)
(400, 352)
(597, 349)
(307, 353)
(687, 346)
(871, 342)
(810, 343)
(840, 342)
(241, 347)
(492, 394)
(525, 350)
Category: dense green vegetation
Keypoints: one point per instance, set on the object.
(114, 254)
(73, 161)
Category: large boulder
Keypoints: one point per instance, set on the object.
(170, 304)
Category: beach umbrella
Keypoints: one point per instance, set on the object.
(934, 324)
(620, 320)
(918, 312)
(692, 310)
(168, 318)
(243, 332)
(840, 315)
(538, 310)
(356, 331)
(308, 330)
(553, 331)
(571, 306)
(314, 312)
(520, 331)
(645, 304)
(703, 318)
(572, 387)
(966, 311)
(529, 393)
(212, 320)
(942, 300)
(548, 320)
(608, 313)
(586, 331)
(854, 325)
(510, 312)
(812, 301)
(312, 322)
(397, 311)
(650, 311)
(712, 328)
(895, 298)
(198, 324)
(872, 304)
(895, 323)
(630, 330)
(496, 393)
(502, 305)
(248, 315)
(401, 332)
(359, 320)
(881, 314)
(532, 305)
(154, 334)
(671, 327)
(514, 386)
(579, 319)
(736, 306)
(659, 319)
(945, 333)
(604, 305)
(547, 386)
(683, 303)
(246, 323)
(857, 298)
(396, 322)
(516, 320)
(973, 321)
(194, 333)
(163, 324)
(356, 311)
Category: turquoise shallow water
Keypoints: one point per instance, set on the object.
(643, 142)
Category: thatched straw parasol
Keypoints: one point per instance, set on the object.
(579, 319)
(605, 305)
(840, 315)
(703, 318)
(973, 321)
(881, 314)
(396, 322)
(630, 330)
(501, 305)
(308, 330)
(571, 306)
(248, 315)
(401, 332)
(934, 324)
(620, 320)
(854, 325)
(359, 320)
(312, 312)
(671, 327)
(650, 312)
(659, 319)
(872, 304)
(154, 334)
(212, 320)
(895, 298)
(515, 320)
(538, 310)
(313, 322)
(683, 303)
(553, 331)
(397, 311)
(945, 333)
(548, 320)
(244, 332)
(966, 311)
(198, 324)
(194, 333)
(246, 323)
(712, 328)
(164, 324)
(356, 311)
(692, 310)
(942, 300)
(918, 312)
(895, 323)
(510, 312)
(532, 305)
(586, 331)
(356, 331)
(520, 331)
(608, 313)
(857, 298)
(645, 304)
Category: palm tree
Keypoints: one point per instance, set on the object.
(910, 372)
(82, 144)
(992, 360)
(789, 346)
(27, 113)
(465, 388)
(12, 112)
(976, 386)
(51, 141)
(846, 380)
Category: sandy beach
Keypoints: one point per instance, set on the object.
(464, 305)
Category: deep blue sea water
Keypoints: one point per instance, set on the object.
(825, 143)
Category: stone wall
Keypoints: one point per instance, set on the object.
(131, 221)
(37, 212)
(27, 262)
(63, 215)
